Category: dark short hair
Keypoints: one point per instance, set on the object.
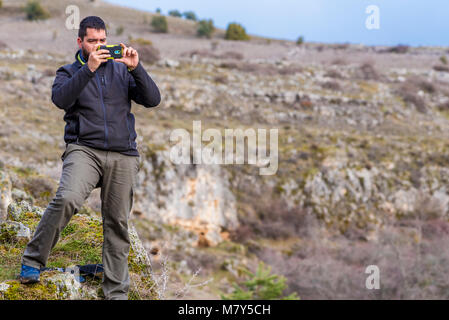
(90, 22)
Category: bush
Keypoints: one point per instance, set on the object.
(140, 41)
(261, 285)
(158, 10)
(159, 24)
(408, 92)
(205, 28)
(119, 30)
(441, 68)
(401, 48)
(147, 53)
(236, 31)
(367, 72)
(231, 55)
(331, 85)
(271, 219)
(443, 59)
(1, 3)
(174, 13)
(300, 40)
(190, 15)
(34, 11)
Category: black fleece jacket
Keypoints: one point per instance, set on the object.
(98, 104)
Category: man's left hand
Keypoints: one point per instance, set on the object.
(130, 57)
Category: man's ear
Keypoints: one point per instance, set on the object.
(79, 41)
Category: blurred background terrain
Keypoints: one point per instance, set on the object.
(363, 153)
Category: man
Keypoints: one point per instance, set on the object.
(96, 94)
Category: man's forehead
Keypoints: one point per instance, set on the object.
(93, 33)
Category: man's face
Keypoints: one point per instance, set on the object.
(91, 40)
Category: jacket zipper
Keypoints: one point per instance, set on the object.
(104, 110)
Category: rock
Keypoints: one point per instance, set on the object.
(85, 231)
(5, 194)
(196, 197)
(18, 211)
(12, 231)
(140, 256)
(19, 195)
(421, 204)
(53, 285)
(67, 286)
(169, 63)
(3, 287)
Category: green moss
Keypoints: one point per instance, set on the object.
(143, 287)
(37, 291)
(7, 233)
(80, 242)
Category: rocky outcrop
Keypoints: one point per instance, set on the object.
(5, 193)
(196, 197)
(81, 240)
(347, 197)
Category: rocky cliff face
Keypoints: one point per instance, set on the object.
(195, 197)
(5, 194)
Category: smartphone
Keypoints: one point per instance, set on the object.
(116, 51)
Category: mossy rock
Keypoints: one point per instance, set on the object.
(14, 232)
(53, 285)
(80, 242)
(23, 211)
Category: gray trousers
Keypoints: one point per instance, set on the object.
(84, 169)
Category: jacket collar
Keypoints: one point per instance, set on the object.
(79, 59)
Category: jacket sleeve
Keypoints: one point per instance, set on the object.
(66, 88)
(142, 88)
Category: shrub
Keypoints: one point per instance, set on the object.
(367, 72)
(174, 13)
(223, 79)
(205, 28)
(399, 49)
(339, 62)
(236, 31)
(1, 3)
(34, 11)
(147, 53)
(300, 40)
(159, 24)
(408, 93)
(331, 85)
(443, 59)
(443, 106)
(272, 219)
(190, 15)
(158, 10)
(441, 68)
(231, 55)
(261, 285)
(334, 74)
(140, 41)
(119, 30)
(40, 188)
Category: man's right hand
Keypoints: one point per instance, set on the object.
(96, 58)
